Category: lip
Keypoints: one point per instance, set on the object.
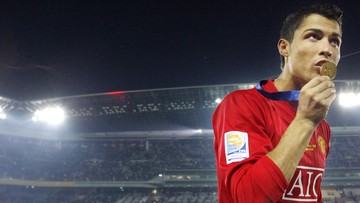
(321, 62)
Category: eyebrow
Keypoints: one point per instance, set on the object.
(334, 34)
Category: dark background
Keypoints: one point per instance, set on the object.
(61, 48)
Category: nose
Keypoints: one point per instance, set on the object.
(326, 49)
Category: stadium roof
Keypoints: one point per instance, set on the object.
(187, 109)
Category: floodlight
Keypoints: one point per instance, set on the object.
(199, 131)
(349, 99)
(51, 115)
(2, 114)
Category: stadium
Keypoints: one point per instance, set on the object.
(143, 146)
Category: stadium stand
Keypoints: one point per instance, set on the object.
(142, 146)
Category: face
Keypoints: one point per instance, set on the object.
(316, 41)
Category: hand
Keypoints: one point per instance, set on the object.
(315, 99)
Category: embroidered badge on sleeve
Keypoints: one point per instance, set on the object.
(236, 146)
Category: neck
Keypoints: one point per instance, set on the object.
(282, 84)
(285, 84)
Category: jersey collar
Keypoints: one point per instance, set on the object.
(268, 90)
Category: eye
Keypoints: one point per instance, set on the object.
(313, 35)
(335, 41)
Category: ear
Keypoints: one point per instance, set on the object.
(283, 47)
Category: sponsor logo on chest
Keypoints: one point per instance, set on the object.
(305, 185)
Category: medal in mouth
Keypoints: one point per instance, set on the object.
(328, 69)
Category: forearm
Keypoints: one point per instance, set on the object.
(287, 154)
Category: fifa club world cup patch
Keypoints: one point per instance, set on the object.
(236, 146)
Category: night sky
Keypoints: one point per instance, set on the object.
(61, 48)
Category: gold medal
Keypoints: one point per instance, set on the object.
(328, 69)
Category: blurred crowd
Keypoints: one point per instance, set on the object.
(14, 194)
(344, 152)
(128, 160)
(123, 160)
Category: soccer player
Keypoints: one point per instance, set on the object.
(271, 141)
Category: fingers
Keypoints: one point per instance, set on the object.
(314, 83)
(316, 97)
(320, 88)
(325, 95)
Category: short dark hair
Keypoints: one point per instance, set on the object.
(294, 20)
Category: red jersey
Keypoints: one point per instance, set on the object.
(247, 126)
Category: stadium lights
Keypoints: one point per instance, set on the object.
(2, 114)
(218, 100)
(51, 115)
(154, 192)
(349, 99)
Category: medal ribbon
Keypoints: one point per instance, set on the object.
(292, 95)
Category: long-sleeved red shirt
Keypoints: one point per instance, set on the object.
(247, 126)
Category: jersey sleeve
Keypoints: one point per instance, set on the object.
(242, 140)
(327, 133)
